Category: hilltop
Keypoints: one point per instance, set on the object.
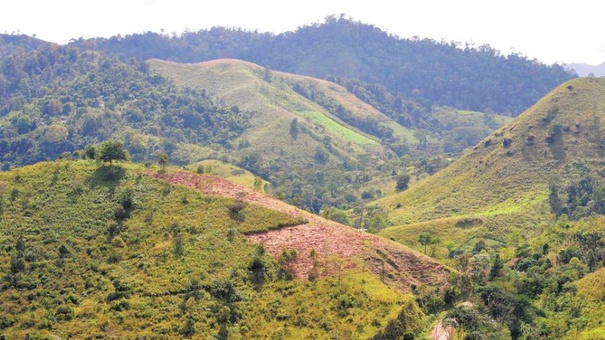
(512, 178)
(114, 251)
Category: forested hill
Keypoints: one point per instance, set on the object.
(10, 42)
(453, 74)
(57, 99)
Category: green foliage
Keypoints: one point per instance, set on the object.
(432, 70)
(59, 99)
(585, 198)
(337, 215)
(294, 129)
(402, 182)
(113, 151)
(163, 161)
(426, 239)
(175, 275)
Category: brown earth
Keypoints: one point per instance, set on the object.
(338, 247)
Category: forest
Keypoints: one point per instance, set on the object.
(456, 74)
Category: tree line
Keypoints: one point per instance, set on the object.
(460, 75)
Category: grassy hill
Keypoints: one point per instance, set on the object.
(337, 135)
(502, 184)
(280, 95)
(90, 250)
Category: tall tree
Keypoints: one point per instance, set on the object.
(425, 239)
(163, 161)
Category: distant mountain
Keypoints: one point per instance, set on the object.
(464, 77)
(545, 163)
(586, 70)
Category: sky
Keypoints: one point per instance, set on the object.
(549, 31)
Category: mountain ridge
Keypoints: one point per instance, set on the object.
(443, 73)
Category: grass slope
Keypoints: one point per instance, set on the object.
(231, 172)
(325, 149)
(503, 181)
(271, 93)
(94, 251)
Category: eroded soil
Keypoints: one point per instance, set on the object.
(338, 247)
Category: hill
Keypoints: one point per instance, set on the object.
(335, 126)
(56, 99)
(519, 178)
(297, 122)
(453, 74)
(91, 250)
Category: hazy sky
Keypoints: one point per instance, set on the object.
(550, 31)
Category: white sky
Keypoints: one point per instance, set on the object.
(550, 31)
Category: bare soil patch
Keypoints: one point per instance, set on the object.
(338, 247)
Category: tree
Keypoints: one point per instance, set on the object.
(113, 151)
(425, 239)
(435, 242)
(294, 128)
(402, 182)
(258, 184)
(163, 161)
(286, 263)
(496, 267)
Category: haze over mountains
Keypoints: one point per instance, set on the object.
(585, 70)
(490, 165)
(465, 77)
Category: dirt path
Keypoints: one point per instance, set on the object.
(338, 246)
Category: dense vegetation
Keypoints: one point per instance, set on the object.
(438, 73)
(57, 99)
(520, 216)
(91, 250)
(541, 288)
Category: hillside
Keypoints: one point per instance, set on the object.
(454, 74)
(58, 99)
(313, 141)
(309, 138)
(91, 250)
(502, 184)
(337, 129)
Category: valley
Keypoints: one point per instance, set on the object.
(335, 182)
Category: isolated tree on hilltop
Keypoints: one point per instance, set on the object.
(113, 151)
